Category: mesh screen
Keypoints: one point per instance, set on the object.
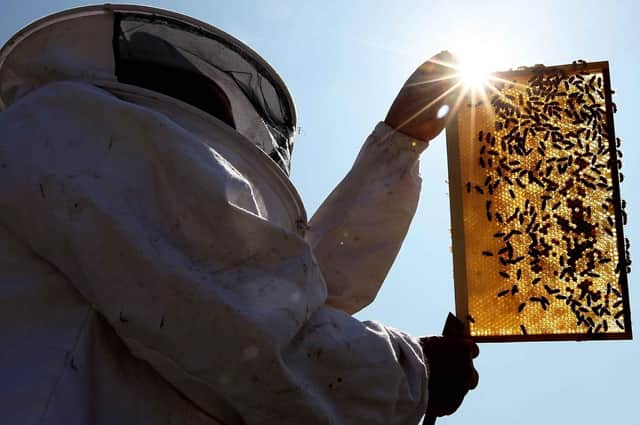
(168, 43)
(537, 178)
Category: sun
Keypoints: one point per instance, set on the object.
(478, 59)
(470, 66)
(474, 68)
(474, 75)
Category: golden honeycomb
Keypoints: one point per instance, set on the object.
(536, 213)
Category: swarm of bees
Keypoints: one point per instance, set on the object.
(547, 173)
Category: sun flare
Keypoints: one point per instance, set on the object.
(470, 72)
(475, 66)
(473, 76)
(479, 57)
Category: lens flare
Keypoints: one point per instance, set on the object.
(480, 54)
(475, 68)
(469, 73)
(474, 75)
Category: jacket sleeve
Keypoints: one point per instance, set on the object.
(358, 230)
(153, 227)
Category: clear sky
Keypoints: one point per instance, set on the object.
(344, 62)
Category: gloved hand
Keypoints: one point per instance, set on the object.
(451, 369)
(433, 84)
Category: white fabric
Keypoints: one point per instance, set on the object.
(57, 51)
(357, 232)
(152, 273)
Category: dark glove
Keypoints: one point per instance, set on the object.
(451, 370)
(415, 109)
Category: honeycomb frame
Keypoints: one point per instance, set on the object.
(537, 219)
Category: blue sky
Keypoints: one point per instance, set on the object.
(344, 62)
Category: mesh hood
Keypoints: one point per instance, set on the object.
(260, 103)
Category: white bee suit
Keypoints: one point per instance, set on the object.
(154, 268)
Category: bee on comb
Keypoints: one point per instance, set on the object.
(537, 218)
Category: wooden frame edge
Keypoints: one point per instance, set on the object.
(457, 222)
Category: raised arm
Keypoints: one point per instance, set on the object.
(357, 232)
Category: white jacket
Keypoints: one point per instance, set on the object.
(154, 269)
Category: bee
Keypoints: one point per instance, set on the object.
(550, 290)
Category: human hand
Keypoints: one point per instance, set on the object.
(451, 370)
(432, 85)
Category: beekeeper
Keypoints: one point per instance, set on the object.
(156, 262)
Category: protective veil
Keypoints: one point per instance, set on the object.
(156, 267)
